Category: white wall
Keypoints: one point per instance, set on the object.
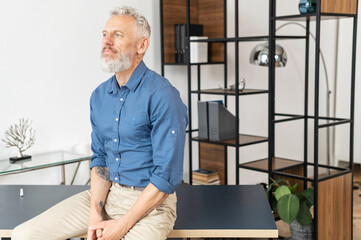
(49, 65)
(343, 94)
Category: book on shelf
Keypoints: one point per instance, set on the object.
(205, 177)
(204, 172)
(208, 180)
(201, 183)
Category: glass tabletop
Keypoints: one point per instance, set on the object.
(42, 160)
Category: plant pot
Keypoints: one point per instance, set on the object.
(299, 232)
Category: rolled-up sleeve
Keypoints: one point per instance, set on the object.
(169, 121)
(97, 144)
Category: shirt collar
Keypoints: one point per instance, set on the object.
(133, 81)
(112, 85)
(136, 77)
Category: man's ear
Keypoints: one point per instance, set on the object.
(142, 45)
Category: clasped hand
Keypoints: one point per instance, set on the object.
(108, 230)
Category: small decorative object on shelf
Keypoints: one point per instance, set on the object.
(292, 207)
(307, 6)
(21, 136)
(241, 85)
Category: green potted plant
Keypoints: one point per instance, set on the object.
(292, 207)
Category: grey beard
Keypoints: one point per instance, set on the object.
(121, 63)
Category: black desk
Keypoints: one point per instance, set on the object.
(203, 211)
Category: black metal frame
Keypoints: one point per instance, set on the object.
(271, 38)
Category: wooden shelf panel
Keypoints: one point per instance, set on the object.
(277, 163)
(295, 167)
(233, 39)
(185, 64)
(220, 91)
(335, 208)
(211, 156)
(209, 13)
(312, 17)
(339, 6)
(244, 140)
(324, 172)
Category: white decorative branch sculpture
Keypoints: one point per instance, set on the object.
(21, 136)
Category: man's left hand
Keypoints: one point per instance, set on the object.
(112, 229)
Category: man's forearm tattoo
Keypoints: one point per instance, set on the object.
(103, 172)
(101, 204)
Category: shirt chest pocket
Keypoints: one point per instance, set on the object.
(136, 124)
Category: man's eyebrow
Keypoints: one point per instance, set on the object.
(119, 31)
(114, 31)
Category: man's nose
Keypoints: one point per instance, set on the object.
(107, 40)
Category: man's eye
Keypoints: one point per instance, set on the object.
(104, 34)
(118, 35)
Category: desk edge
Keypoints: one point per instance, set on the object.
(259, 233)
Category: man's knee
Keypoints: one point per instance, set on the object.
(21, 232)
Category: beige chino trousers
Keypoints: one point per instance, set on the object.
(69, 218)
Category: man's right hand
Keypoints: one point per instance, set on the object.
(94, 218)
(99, 186)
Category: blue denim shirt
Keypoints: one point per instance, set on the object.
(138, 130)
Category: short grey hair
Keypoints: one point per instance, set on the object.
(143, 27)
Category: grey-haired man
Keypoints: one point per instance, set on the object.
(138, 134)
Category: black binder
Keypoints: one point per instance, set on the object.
(180, 40)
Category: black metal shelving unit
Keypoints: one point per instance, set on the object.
(273, 165)
(242, 139)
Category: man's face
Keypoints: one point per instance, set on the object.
(119, 44)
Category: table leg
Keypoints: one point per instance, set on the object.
(62, 175)
(75, 173)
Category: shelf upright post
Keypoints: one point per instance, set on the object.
(189, 93)
(271, 86)
(199, 81)
(237, 90)
(316, 114)
(225, 85)
(352, 106)
(199, 98)
(225, 50)
(305, 134)
(161, 39)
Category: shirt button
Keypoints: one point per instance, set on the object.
(115, 140)
(173, 132)
(121, 99)
(116, 178)
(117, 119)
(117, 159)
